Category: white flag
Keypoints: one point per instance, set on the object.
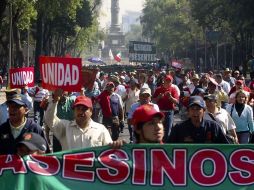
(110, 54)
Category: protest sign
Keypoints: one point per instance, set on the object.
(20, 77)
(177, 64)
(88, 77)
(61, 72)
(134, 167)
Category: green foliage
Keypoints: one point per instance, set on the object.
(169, 24)
(23, 13)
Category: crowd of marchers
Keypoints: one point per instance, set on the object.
(214, 107)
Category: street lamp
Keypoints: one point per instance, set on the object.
(10, 42)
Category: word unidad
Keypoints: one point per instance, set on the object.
(22, 77)
(59, 74)
(113, 167)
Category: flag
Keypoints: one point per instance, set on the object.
(110, 54)
(118, 57)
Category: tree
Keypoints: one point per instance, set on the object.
(235, 19)
(169, 24)
(62, 24)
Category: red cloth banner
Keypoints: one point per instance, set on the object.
(88, 77)
(20, 77)
(61, 72)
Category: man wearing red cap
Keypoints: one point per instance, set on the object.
(83, 131)
(112, 109)
(148, 124)
(166, 97)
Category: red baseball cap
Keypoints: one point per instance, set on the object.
(83, 100)
(145, 113)
(239, 82)
(169, 77)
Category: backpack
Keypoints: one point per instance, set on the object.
(114, 104)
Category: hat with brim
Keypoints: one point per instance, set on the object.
(210, 97)
(145, 91)
(196, 100)
(227, 70)
(84, 101)
(168, 78)
(239, 82)
(199, 91)
(195, 77)
(34, 142)
(145, 113)
(30, 145)
(18, 99)
(12, 91)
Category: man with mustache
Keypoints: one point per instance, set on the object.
(82, 132)
(12, 131)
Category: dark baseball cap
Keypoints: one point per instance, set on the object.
(34, 141)
(18, 99)
(197, 100)
(210, 97)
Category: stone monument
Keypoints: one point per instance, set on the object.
(116, 38)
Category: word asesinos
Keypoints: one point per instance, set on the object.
(59, 74)
(22, 77)
(115, 167)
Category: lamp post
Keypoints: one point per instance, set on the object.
(28, 48)
(10, 43)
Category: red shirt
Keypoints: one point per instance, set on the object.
(104, 101)
(164, 103)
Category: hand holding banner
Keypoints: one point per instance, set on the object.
(20, 77)
(58, 72)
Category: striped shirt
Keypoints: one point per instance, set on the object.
(38, 93)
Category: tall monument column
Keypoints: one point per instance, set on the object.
(115, 23)
(116, 39)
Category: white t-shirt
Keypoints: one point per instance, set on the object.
(223, 118)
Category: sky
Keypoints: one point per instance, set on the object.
(125, 5)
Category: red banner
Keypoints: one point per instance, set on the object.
(59, 72)
(88, 77)
(20, 77)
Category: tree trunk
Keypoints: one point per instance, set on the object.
(19, 59)
(38, 48)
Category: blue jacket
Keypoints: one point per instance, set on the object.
(208, 132)
(7, 141)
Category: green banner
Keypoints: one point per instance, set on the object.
(137, 167)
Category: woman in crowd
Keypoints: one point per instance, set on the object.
(242, 115)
